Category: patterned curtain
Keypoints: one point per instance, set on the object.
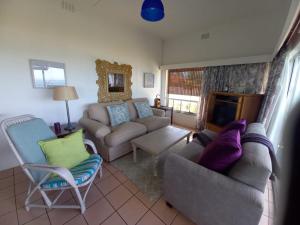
(243, 78)
(273, 88)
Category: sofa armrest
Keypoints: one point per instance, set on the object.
(95, 128)
(209, 197)
(158, 112)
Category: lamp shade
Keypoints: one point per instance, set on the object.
(152, 10)
(64, 93)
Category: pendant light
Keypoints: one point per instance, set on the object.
(152, 10)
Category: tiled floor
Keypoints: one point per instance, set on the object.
(113, 201)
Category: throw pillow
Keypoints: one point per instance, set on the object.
(118, 114)
(241, 125)
(65, 152)
(223, 152)
(143, 108)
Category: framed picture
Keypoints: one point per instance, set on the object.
(148, 80)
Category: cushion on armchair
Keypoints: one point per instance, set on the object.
(223, 152)
(81, 173)
(65, 152)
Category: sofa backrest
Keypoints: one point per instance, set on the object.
(255, 167)
(98, 111)
(131, 107)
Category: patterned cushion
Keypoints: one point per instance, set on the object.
(118, 114)
(81, 173)
(143, 109)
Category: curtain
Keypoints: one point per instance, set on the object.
(273, 88)
(243, 78)
(185, 81)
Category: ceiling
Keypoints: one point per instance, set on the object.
(181, 16)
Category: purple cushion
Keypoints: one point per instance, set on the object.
(241, 125)
(223, 152)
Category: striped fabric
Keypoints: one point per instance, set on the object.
(81, 173)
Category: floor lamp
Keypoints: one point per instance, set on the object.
(65, 93)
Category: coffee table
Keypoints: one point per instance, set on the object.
(159, 141)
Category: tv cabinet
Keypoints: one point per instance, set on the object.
(225, 107)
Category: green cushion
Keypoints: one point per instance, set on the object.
(65, 152)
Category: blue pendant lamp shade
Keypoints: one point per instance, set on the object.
(152, 10)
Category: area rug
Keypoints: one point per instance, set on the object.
(141, 173)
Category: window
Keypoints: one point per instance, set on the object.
(47, 74)
(184, 90)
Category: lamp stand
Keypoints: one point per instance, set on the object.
(69, 127)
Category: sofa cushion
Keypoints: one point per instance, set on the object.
(98, 111)
(131, 107)
(223, 152)
(254, 167)
(118, 114)
(241, 125)
(143, 109)
(124, 132)
(154, 122)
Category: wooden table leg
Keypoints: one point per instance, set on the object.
(134, 152)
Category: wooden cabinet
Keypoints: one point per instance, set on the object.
(225, 107)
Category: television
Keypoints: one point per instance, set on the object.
(223, 113)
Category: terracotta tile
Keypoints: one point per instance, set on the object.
(20, 199)
(17, 170)
(131, 187)
(111, 168)
(105, 174)
(7, 205)
(61, 216)
(78, 220)
(33, 213)
(63, 200)
(7, 193)
(9, 219)
(145, 199)
(42, 220)
(93, 195)
(164, 212)
(108, 184)
(6, 182)
(20, 177)
(21, 187)
(115, 219)
(118, 196)
(150, 219)
(6, 173)
(132, 211)
(120, 176)
(182, 220)
(263, 220)
(98, 212)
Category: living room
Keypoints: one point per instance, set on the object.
(180, 64)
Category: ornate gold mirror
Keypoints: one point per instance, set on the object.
(114, 81)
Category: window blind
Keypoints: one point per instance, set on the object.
(185, 81)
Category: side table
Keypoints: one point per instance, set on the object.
(166, 109)
(64, 132)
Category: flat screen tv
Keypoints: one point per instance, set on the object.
(223, 113)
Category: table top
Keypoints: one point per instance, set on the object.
(66, 132)
(162, 107)
(160, 140)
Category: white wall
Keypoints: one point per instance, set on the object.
(241, 38)
(39, 29)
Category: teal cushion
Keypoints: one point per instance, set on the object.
(81, 173)
(143, 108)
(26, 136)
(118, 114)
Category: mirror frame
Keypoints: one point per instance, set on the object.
(103, 68)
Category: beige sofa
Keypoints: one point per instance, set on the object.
(113, 142)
